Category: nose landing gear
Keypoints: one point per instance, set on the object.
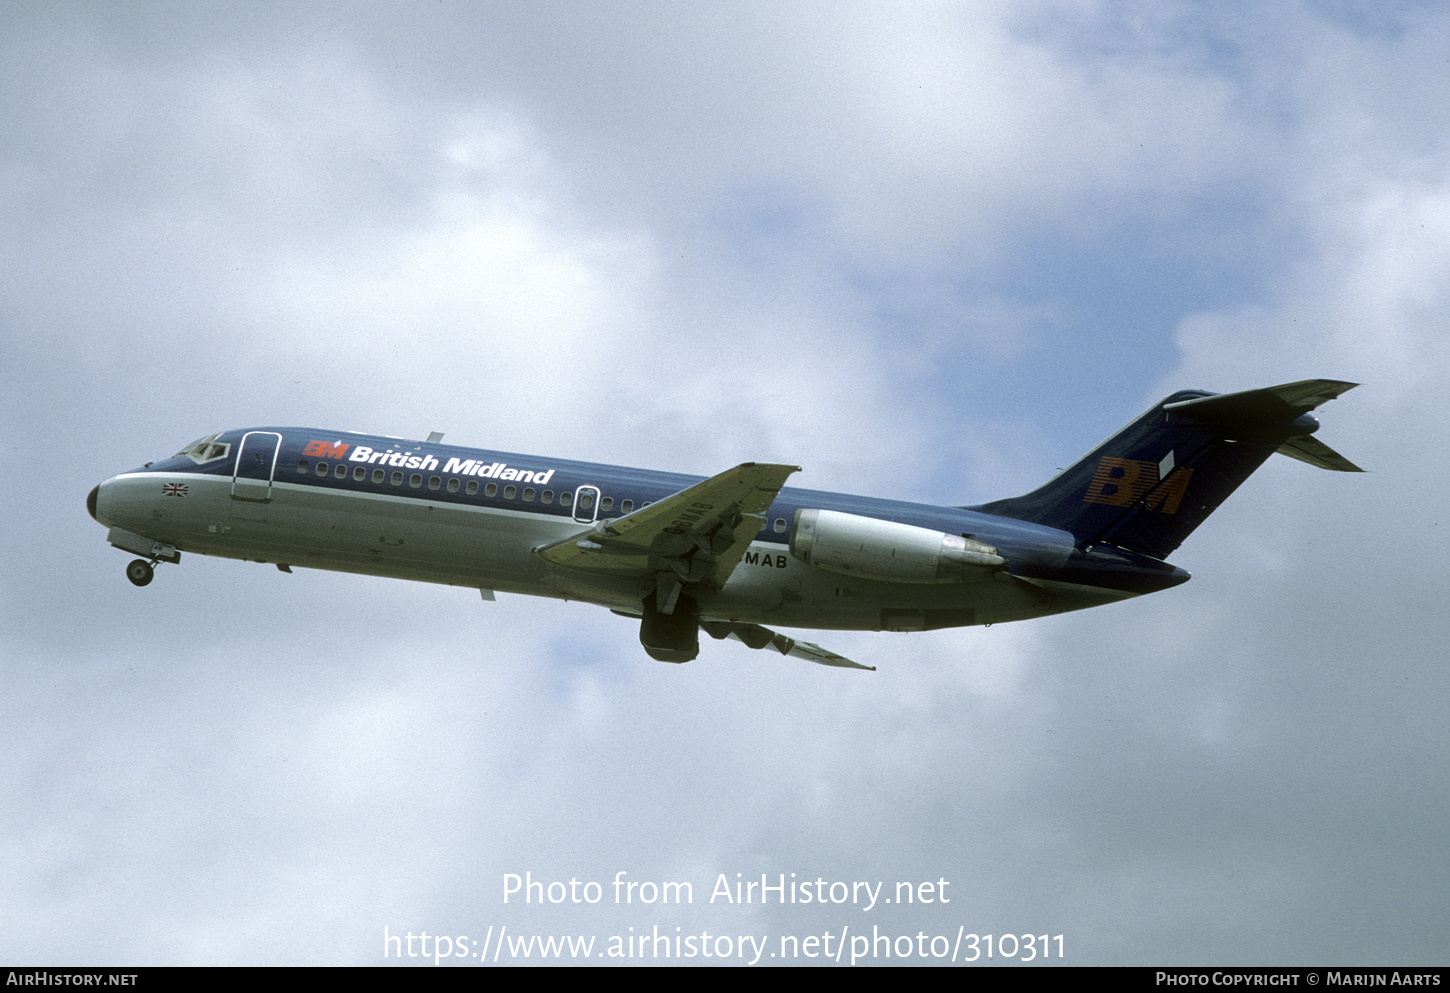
(141, 571)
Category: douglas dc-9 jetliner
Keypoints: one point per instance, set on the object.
(728, 554)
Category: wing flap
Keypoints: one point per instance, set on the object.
(756, 636)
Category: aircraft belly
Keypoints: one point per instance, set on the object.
(309, 526)
(414, 539)
(771, 587)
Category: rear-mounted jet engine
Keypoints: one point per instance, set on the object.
(887, 551)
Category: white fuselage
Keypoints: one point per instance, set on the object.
(399, 535)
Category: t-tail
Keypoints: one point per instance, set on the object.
(1147, 488)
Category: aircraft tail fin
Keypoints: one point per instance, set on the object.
(1150, 485)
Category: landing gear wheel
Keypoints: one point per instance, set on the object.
(140, 572)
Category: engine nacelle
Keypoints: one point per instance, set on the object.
(887, 551)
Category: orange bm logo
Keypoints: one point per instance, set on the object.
(326, 449)
(1122, 482)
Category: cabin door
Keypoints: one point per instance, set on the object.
(256, 465)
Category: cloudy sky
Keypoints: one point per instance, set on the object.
(930, 251)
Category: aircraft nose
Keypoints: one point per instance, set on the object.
(91, 502)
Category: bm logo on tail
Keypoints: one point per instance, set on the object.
(1123, 482)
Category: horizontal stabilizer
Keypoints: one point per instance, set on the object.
(1275, 403)
(756, 636)
(1317, 453)
(1272, 403)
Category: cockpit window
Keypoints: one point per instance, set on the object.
(206, 450)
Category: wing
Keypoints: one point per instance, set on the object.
(697, 535)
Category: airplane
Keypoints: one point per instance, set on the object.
(728, 554)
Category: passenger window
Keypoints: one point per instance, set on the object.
(415, 480)
(566, 498)
(340, 472)
(627, 506)
(546, 497)
(509, 491)
(586, 500)
(607, 503)
(453, 486)
(490, 490)
(397, 479)
(378, 476)
(473, 487)
(322, 468)
(302, 466)
(434, 482)
(528, 494)
(780, 525)
(359, 474)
